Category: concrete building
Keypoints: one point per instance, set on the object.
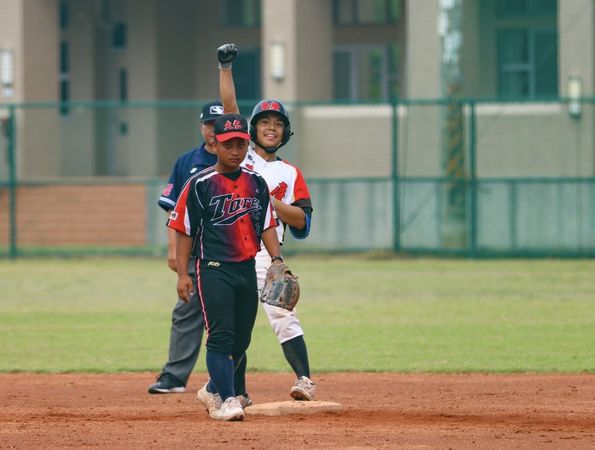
(304, 52)
(452, 125)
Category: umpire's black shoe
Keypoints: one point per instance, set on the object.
(167, 384)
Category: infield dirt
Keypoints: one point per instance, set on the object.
(379, 410)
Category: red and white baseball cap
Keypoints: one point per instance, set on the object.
(231, 126)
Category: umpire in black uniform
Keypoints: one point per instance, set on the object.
(187, 323)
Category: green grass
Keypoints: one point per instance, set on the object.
(421, 315)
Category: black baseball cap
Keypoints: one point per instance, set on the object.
(211, 111)
(231, 126)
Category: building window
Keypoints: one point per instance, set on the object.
(63, 15)
(123, 85)
(64, 78)
(506, 9)
(64, 58)
(246, 70)
(527, 48)
(366, 73)
(119, 36)
(240, 13)
(366, 12)
(527, 63)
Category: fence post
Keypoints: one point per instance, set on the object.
(473, 179)
(395, 175)
(12, 180)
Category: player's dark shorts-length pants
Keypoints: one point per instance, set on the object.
(229, 297)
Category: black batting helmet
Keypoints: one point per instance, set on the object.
(266, 106)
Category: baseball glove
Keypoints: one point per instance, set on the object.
(281, 287)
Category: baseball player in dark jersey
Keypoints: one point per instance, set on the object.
(270, 129)
(187, 320)
(222, 215)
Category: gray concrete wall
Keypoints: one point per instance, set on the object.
(313, 61)
(423, 50)
(38, 142)
(577, 47)
(537, 140)
(513, 140)
(10, 31)
(176, 74)
(471, 54)
(171, 54)
(208, 35)
(303, 28)
(11, 28)
(576, 24)
(78, 131)
(340, 141)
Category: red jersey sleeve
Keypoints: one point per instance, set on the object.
(187, 212)
(300, 189)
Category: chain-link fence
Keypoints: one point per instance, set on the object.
(469, 177)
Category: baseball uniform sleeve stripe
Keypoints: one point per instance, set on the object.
(202, 302)
(166, 203)
(178, 218)
(269, 220)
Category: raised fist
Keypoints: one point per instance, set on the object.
(226, 54)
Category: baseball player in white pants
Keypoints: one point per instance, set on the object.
(286, 324)
(269, 130)
(290, 198)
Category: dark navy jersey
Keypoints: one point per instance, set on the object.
(226, 214)
(186, 165)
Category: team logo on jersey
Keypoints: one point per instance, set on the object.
(173, 215)
(213, 264)
(194, 169)
(167, 190)
(229, 209)
(280, 191)
(250, 166)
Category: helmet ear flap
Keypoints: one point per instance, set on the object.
(252, 132)
(286, 134)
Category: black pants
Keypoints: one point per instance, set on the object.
(229, 296)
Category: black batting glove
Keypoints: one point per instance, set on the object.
(226, 54)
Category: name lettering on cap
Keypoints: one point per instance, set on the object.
(235, 125)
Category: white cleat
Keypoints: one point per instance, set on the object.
(245, 401)
(211, 401)
(303, 389)
(231, 409)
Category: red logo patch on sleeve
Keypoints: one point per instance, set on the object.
(167, 190)
(279, 191)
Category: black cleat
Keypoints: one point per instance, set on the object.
(167, 384)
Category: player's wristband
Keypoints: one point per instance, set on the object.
(225, 66)
(276, 258)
